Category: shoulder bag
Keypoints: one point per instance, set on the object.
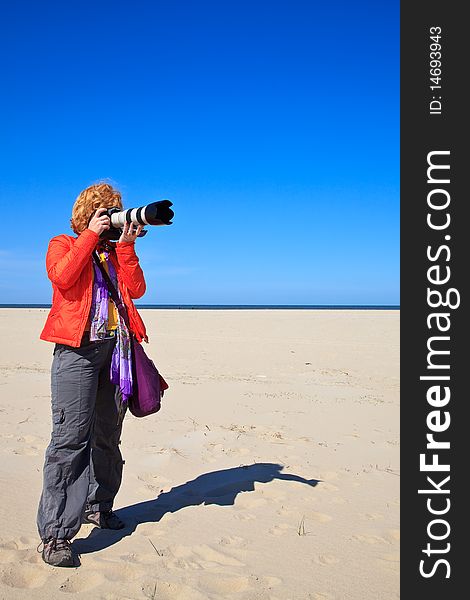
(148, 384)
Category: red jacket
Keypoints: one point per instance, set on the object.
(69, 265)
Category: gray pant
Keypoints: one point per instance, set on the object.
(83, 463)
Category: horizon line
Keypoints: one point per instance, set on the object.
(235, 306)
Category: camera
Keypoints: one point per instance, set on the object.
(156, 213)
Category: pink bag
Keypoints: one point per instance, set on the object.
(148, 384)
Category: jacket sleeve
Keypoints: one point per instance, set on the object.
(64, 264)
(130, 270)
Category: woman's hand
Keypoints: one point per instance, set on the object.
(128, 233)
(99, 222)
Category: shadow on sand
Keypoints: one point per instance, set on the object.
(216, 487)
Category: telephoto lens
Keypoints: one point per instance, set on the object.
(156, 213)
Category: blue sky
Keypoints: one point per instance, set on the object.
(272, 126)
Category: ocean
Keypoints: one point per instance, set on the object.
(242, 306)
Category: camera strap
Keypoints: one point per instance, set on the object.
(113, 293)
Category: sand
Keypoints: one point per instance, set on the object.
(271, 472)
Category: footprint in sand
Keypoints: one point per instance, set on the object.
(20, 556)
(19, 551)
(24, 576)
(281, 529)
(207, 554)
(191, 565)
(150, 532)
(156, 589)
(9, 545)
(269, 581)
(81, 582)
(326, 559)
(26, 542)
(319, 517)
(234, 540)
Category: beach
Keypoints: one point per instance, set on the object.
(271, 471)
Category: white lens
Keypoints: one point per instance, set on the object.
(119, 218)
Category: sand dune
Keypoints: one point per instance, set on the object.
(271, 472)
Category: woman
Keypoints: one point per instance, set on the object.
(91, 376)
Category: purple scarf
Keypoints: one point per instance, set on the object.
(121, 364)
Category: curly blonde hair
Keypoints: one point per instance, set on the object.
(98, 195)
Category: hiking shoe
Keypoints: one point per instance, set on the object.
(58, 553)
(104, 519)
